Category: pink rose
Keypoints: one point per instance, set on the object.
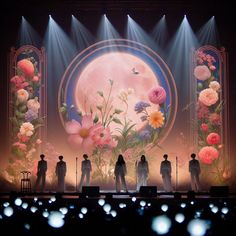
(204, 127)
(157, 95)
(208, 154)
(212, 67)
(213, 138)
(215, 119)
(202, 111)
(23, 138)
(202, 72)
(35, 79)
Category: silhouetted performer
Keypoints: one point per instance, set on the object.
(165, 171)
(61, 173)
(142, 172)
(120, 173)
(41, 173)
(195, 170)
(86, 168)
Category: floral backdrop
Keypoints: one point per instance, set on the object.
(25, 117)
(91, 132)
(212, 151)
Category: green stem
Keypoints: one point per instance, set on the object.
(106, 103)
(218, 173)
(107, 115)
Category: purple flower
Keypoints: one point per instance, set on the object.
(31, 115)
(140, 106)
(144, 135)
(157, 95)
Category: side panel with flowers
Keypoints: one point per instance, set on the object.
(27, 109)
(211, 117)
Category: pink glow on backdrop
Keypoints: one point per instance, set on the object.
(127, 71)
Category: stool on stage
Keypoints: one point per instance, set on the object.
(25, 182)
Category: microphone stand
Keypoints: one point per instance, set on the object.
(76, 172)
(176, 170)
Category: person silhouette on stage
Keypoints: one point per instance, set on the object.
(41, 173)
(61, 173)
(86, 168)
(195, 170)
(165, 171)
(142, 172)
(120, 173)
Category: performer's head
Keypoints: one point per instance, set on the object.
(60, 158)
(42, 156)
(85, 156)
(165, 156)
(121, 158)
(193, 155)
(143, 158)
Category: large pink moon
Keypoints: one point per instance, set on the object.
(126, 71)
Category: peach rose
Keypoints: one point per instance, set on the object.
(214, 85)
(208, 97)
(26, 67)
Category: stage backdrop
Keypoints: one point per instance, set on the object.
(118, 96)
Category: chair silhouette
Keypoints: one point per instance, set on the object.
(25, 182)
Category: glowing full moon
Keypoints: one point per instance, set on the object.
(128, 73)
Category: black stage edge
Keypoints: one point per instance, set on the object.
(129, 194)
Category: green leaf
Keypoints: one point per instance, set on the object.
(219, 107)
(79, 112)
(18, 152)
(100, 93)
(19, 115)
(111, 82)
(95, 120)
(118, 111)
(38, 126)
(116, 120)
(62, 110)
(22, 108)
(14, 121)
